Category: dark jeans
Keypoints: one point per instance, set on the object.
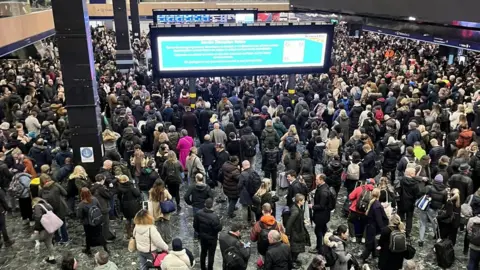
(207, 247)
(71, 204)
(407, 217)
(360, 220)
(174, 189)
(272, 174)
(473, 260)
(231, 205)
(3, 228)
(466, 241)
(25, 205)
(320, 230)
(61, 235)
(195, 210)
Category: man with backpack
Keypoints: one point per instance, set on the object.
(235, 253)
(473, 229)
(260, 230)
(465, 137)
(360, 198)
(248, 184)
(323, 203)
(271, 159)
(248, 146)
(207, 225)
(278, 256)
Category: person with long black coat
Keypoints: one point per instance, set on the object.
(190, 121)
(409, 191)
(391, 156)
(295, 229)
(367, 169)
(230, 173)
(222, 156)
(100, 191)
(207, 152)
(307, 170)
(129, 196)
(204, 121)
(376, 221)
(449, 219)
(389, 260)
(321, 210)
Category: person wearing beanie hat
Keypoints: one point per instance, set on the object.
(178, 258)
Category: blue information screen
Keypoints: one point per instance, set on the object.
(241, 52)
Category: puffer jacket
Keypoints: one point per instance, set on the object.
(409, 192)
(231, 174)
(270, 138)
(463, 183)
(438, 193)
(54, 194)
(197, 194)
(435, 154)
(38, 212)
(148, 239)
(176, 260)
(392, 154)
(338, 246)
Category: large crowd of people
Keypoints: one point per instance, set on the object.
(392, 122)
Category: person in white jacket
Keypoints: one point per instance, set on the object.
(32, 124)
(147, 238)
(455, 116)
(178, 258)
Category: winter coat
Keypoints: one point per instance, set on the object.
(344, 125)
(338, 246)
(197, 194)
(388, 259)
(244, 181)
(176, 178)
(332, 147)
(194, 165)
(38, 212)
(296, 187)
(207, 224)
(76, 184)
(54, 194)
(147, 178)
(278, 257)
(280, 129)
(41, 155)
(269, 139)
(154, 207)
(148, 239)
(129, 197)
(231, 175)
(103, 196)
(412, 137)
(391, 154)
(409, 192)
(108, 266)
(354, 116)
(438, 193)
(321, 212)
(176, 260)
(376, 220)
(32, 124)
(435, 154)
(60, 157)
(292, 162)
(355, 196)
(367, 169)
(226, 240)
(183, 148)
(82, 210)
(296, 231)
(207, 153)
(463, 183)
(218, 136)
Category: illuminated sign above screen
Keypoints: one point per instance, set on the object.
(241, 52)
(205, 18)
(199, 51)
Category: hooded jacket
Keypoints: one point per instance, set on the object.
(197, 194)
(392, 154)
(54, 194)
(409, 192)
(231, 174)
(338, 246)
(176, 260)
(103, 195)
(207, 224)
(38, 212)
(270, 138)
(41, 155)
(355, 196)
(438, 193)
(148, 239)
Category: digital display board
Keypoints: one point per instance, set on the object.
(241, 50)
(205, 18)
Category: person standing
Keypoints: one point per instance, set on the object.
(389, 260)
(197, 194)
(230, 243)
(230, 174)
(40, 207)
(271, 159)
(249, 183)
(296, 231)
(207, 225)
(248, 145)
(410, 191)
(376, 221)
(172, 174)
(278, 256)
(129, 197)
(159, 194)
(100, 191)
(3, 223)
(321, 209)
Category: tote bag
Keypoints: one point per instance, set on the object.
(50, 222)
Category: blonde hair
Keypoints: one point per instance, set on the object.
(421, 128)
(383, 185)
(375, 197)
(455, 197)
(396, 223)
(79, 172)
(292, 129)
(143, 218)
(171, 157)
(343, 114)
(265, 187)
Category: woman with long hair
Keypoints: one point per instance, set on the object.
(279, 111)
(183, 147)
(93, 234)
(159, 194)
(172, 174)
(449, 217)
(376, 221)
(264, 195)
(328, 113)
(77, 180)
(332, 146)
(318, 263)
(338, 242)
(147, 239)
(389, 260)
(343, 122)
(110, 139)
(129, 197)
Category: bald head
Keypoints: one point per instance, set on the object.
(274, 237)
(107, 164)
(207, 137)
(245, 164)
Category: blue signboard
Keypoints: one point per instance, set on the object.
(461, 44)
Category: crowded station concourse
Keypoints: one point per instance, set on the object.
(372, 165)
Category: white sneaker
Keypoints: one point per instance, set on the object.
(354, 240)
(37, 248)
(363, 240)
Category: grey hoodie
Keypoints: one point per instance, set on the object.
(108, 266)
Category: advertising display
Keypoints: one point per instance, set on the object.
(300, 48)
(198, 16)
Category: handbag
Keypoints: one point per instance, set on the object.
(387, 206)
(410, 252)
(132, 245)
(423, 202)
(466, 211)
(156, 260)
(50, 222)
(167, 207)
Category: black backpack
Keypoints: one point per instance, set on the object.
(257, 124)
(95, 217)
(474, 235)
(262, 243)
(271, 158)
(46, 134)
(129, 146)
(250, 148)
(233, 260)
(254, 183)
(330, 256)
(176, 119)
(364, 200)
(290, 144)
(318, 154)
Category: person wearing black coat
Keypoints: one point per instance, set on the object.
(207, 152)
(222, 156)
(389, 260)
(129, 196)
(475, 165)
(409, 192)
(404, 160)
(292, 162)
(230, 174)
(231, 238)
(307, 170)
(204, 121)
(100, 191)
(41, 154)
(3, 222)
(207, 225)
(320, 208)
(54, 194)
(449, 219)
(93, 234)
(190, 121)
(147, 178)
(435, 153)
(295, 229)
(462, 182)
(278, 255)
(296, 186)
(376, 221)
(367, 169)
(354, 115)
(391, 156)
(334, 171)
(197, 194)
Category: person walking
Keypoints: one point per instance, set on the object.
(388, 259)
(278, 256)
(40, 207)
(230, 173)
(249, 183)
(230, 243)
(172, 174)
(100, 191)
(159, 194)
(207, 225)
(296, 231)
(321, 210)
(376, 221)
(129, 197)
(197, 194)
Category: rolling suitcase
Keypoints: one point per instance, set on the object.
(282, 181)
(444, 253)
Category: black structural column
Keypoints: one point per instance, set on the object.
(192, 91)
(78, 73)
(124, 55)
(135, 18)
(291, 87)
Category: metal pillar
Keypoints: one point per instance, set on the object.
(291, 87)
(78, 70)
(192, 90)
(135, 18)
(124, 57)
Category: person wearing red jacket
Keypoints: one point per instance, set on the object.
(356, 216)
(267, 222)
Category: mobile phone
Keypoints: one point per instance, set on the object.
(145, 205)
